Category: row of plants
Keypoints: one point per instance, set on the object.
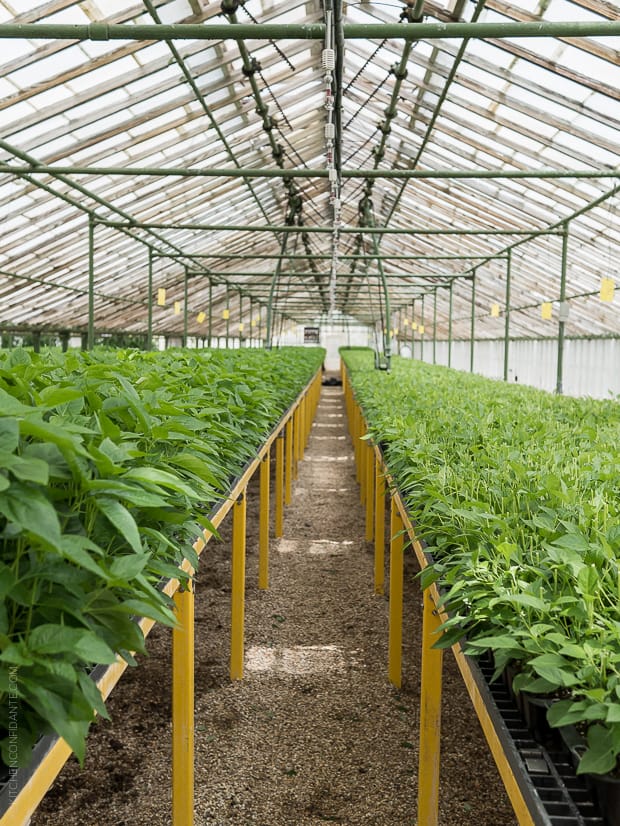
(517, 494)
(110, 464)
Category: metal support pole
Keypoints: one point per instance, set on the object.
(379, 527)
(227, 320)
(149, 320)
(90, 341)
(422, 331)
(435, 327)
(279, 520)
(473, 322)
(371, 482)
(288, 491)
(263, 530)
(412, 330)
(238, 589)
(183, 709)
(395, 634)
(240, 317)
(185, 309)
(450, 328)
(559, 386)
(210, 337)
(507, 314)
(430, 716)
(272, 289)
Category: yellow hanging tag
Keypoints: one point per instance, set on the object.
(201, 317)
(241, 327)
(177, 307)
(395, 331)
(161, 297)
(607, 289)
(421, 329)
(226, 314)
(253, 322)
(406, 322)
(494, 310)
(414, 325)
(546, 310)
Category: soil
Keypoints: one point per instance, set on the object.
(314, 733)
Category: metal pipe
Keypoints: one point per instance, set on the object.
(368, 230)
(435, 328)
(185, 309)
(265, 172)
(317, 256)
(274, 281)
(90, 342)
(301, 31)
(450, 328)
(149, 320)
(559, 387)
(473, 321)
(507, 315)
(210, 337)
(422, 332)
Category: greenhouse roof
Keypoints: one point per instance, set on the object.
(449, 145)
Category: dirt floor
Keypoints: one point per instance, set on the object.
(314, 733)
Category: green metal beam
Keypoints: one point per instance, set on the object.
(301, 31)
(302, 257)
(559, 387)
(269, 172)
(132, 224)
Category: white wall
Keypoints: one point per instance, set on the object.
(591, 366)
(332, 337)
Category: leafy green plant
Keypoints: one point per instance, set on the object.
(110, 463)
(515, 493)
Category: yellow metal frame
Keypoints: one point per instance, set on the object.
(263, 528)
(430, 708)
(237, 602)
(33, 791)
(397, 561)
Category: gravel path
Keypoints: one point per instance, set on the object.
(314, 733)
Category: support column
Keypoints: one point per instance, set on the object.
(263, 529)
(450, 326)
(90, 339)
(422, 331)
(279, 516)
(185, 309)
(371, 482)
(379, 527)
(559, 385)
(473, 322)
(412, 330)
(288, 492)
(430, 716)
(435, 327)
(183, 709)
(210, 336)
(507, 314)
(149, 318)
(395, 635)
(238, 589)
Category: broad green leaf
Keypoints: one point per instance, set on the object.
(600, 756)
(128, 567)
(52, 396)
(161, 478)
(122, 520)
(555, 669)
(32, 512)
(79, 642)
(9, 435)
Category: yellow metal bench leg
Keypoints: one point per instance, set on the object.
(369, 458)
(183, 710)
(379, 527)
(288, 492)
(430, 717)
(238, 589)
(395, 641)
(263, 528)
(279, 526)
